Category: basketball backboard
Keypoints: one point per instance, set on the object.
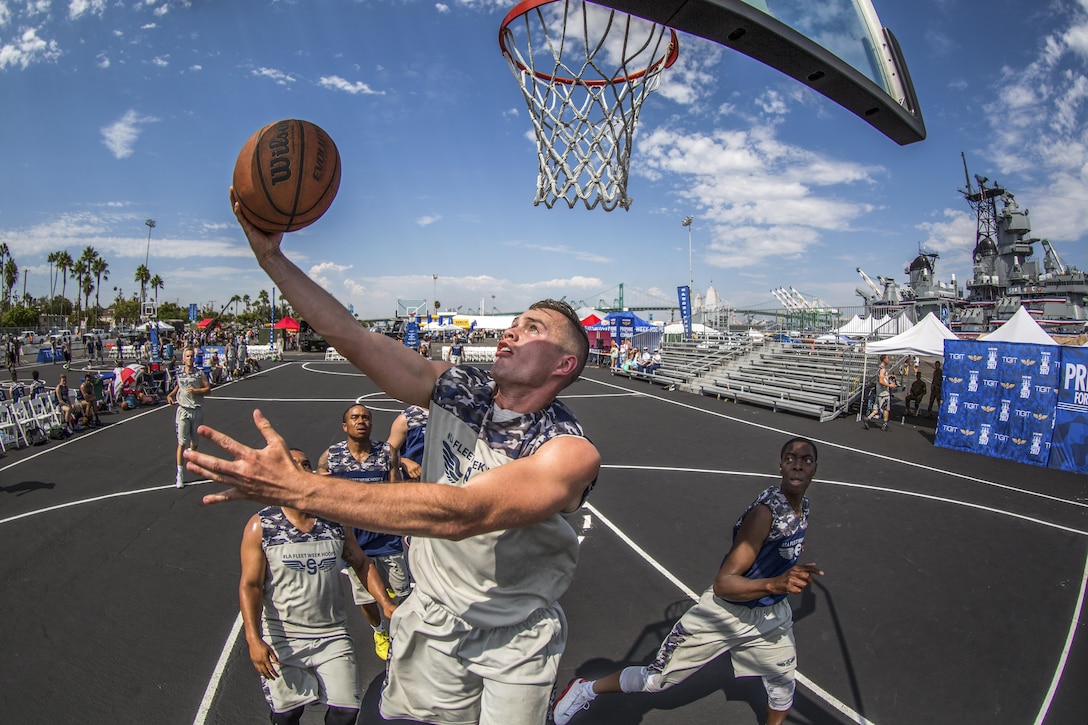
(836, 47)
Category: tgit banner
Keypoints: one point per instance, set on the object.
(999, 399)
(1069, 448)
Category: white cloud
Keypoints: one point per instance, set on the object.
(161, 61)
(442, 7)
(278, 76)
(27, 50)
(120, 136)
(77, 8)
(759, 197)
(426, 221)
(337, 83)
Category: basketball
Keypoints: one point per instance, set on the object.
(286, 176)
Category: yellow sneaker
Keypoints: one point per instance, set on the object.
(381, 645)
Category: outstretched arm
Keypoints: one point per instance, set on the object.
(733, 586)
(398, 370)
(520, 493)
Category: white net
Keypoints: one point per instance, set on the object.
(584, 71)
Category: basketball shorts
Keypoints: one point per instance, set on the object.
(443, 670)
(395, 574)
(313, 670)
(884, 400)
(187, 421)
(760, 640)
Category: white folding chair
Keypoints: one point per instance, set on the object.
(45, 412)
(24, 417)
(10, 433)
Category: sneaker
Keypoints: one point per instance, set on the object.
(577, 697)
(865, 423)
(884, 427)
(381, 645)
(179, 482)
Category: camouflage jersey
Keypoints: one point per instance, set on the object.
(783, 545)
(374, 469)
(499, 578)
(302, 584)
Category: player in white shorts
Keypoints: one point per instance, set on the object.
(744, 612)
(292, 610)
(490, 552)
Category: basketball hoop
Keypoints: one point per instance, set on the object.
(584, 114)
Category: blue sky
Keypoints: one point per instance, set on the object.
(116, 111)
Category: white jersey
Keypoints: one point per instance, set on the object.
(499, 578)
(302, 588)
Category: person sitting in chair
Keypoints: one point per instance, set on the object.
(917, 392)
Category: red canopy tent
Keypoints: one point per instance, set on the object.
(591, 320)
(287, 323)
(205, 322)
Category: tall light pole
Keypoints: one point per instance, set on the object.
(434, 295)
(147, 255)
(686, 222)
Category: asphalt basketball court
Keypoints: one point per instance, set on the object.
(953, 591)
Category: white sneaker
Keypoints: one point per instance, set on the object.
(577, 697)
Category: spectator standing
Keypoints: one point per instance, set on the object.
(190, 387)
(935, 388)
(457, 351)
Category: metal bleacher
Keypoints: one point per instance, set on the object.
(821, 381)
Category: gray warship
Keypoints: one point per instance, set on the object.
(1007, 275)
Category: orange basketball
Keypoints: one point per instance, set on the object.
(286, 176)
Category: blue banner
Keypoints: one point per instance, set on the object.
(1067, 451)
(684, 293)
(411, 333)
(999, 399)
(192, 312)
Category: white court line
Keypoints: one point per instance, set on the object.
(869, 487)
(812, 686)
(861, 451)
(1073, 624)
(217, 673)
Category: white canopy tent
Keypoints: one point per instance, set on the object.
(677, 328)
(1021, 327)
(926, 338)
(159, 323)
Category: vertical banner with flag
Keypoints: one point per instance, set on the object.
(411, 332)
(684, 293)
(1071, 416)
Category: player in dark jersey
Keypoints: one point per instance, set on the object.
(744, 611)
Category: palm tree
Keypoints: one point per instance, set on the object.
(143, 277)
(77, 272)
(87, 286)
(64, 263)
(11, 276)
(156, 284)
(99, 268)
(246, 299)
(52, 259)
(4, 254)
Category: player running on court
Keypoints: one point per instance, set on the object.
(744, 611)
